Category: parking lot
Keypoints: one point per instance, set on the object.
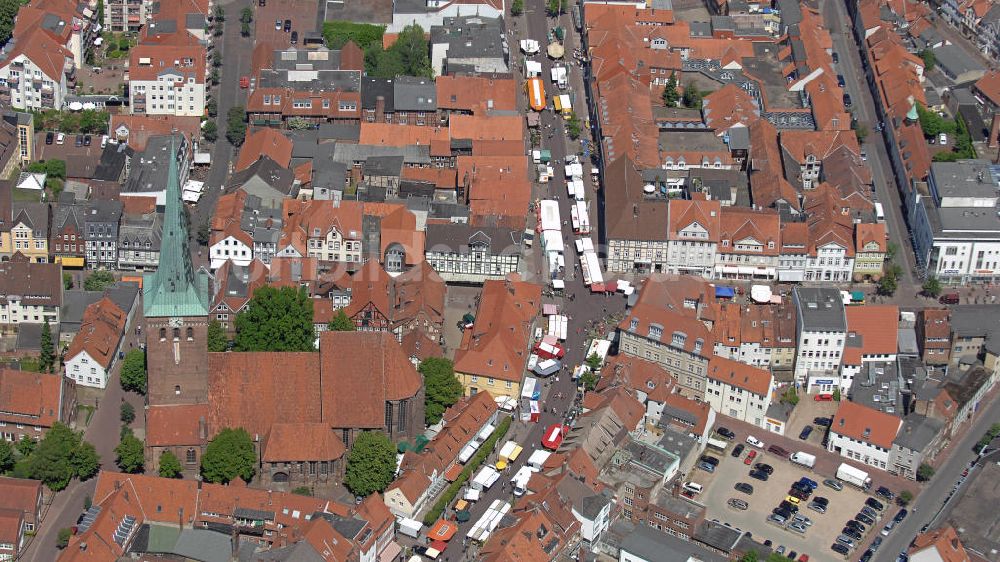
(816, 541)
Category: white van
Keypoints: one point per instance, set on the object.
(694, 487)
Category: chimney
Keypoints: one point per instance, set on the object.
(180, 518)
(379, 106)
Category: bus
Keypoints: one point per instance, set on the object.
(879, 213)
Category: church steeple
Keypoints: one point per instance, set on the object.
(175, 289)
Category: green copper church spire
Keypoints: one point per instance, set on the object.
(175, 289)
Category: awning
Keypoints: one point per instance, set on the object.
(439, 545)
(857, 296)
(549, 309)
(485, 432)
(390, 553)
(466, 453)
(443, 530)
(597, 288)
(203, 158)
(742, 270)
(725, 292)
(472, 495)
(70, 261)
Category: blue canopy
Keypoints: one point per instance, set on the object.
(724, 292)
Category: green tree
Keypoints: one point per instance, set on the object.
(889, 282)
(932, 287)
(60, 456)
(229, 456)
(341, 323)
(8, 11)
(54, 168)
(276, 320)
(589, 380)
(790, 396)
(62, 539)
(210, 131)
(692, 96)
(245, 29)
(925, 472)
(555, 7)
(246, 15)
(338, 33)
(26, 445)
(126, 413)
(905, 497)
(594, 362)
(67, 281)
(298, 124)
(6, 456)
(216, 337)
(371, 464)
(670, 94)
(170, 465)
(441, 388)
(860, 131)
(133, 373)
(98, 281)
(573, 127)
(129, 454)
(204, 234)
(750, 556)
(930, 59)
(236, 127)
(47, 356)
(212, 108)
(220, 14)
(302, 491)
(517, 7)
(215, 77)
(414, 51)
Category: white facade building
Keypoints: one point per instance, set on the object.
(739, 390)
(29, 86)
(234, 245)
(167, 80)
(863, 434)
(821, 330)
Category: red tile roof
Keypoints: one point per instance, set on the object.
(141, 127)
(761, 226)
(172, 425)
(944, 541)
(301, 442)
(21, 494)
(187, 61)
(11, 526)
(740, 375)
(989, 86)
(496, 345)
(476, 94)
(866, 424)
(264, 142)
(30, 398)
(683, 213)
(877, 324)
(45, 49)
(361, 371)
(101, 330)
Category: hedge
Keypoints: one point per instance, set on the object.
(452, 490)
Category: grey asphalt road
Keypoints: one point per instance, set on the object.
(928, 504)
(584, 310)
(837, 19)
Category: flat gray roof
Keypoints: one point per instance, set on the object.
(964, 178)
(821, 309)
(651, 544)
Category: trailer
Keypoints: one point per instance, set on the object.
(521, 479)
(591, 267)
(486, 524)
(805, 459)
(530, 389)
(485, 478)
(537, 459)
(582, 223)
(854, 476)
(535, 90)
(509, 453)
(579, 190)
(717, 444)
(558, 75)
(558, 326)
(409, 527)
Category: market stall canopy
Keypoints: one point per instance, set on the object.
(760, 293)
(724, 292)
(555, 50)
(443, 530)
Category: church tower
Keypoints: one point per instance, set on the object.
(175, 304)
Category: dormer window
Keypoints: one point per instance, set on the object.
(633, 324)
(655, 331)
(678, 339)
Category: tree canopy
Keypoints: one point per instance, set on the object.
(8, 11)
(6, 456)
(236, 126)
(47, 356)
(441, 388)
(670, 94)
(337, 33)
(127, 413)
(228, 456)
(341, 323)
(932, 287)
(60, 456)
(371, 464)
(133, 374)
(276, 320)
(129, 454)
(98, 281)
(216, 337)
(170, 465)
(408, 56)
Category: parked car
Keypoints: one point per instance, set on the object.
(739, 504)
(823, 398)
(876, 543)
(295, 37)
(791, 555)
(867, 556)
(864, 519)
(788, 506)
(818, 508)
(806, 432)
(840, 549)
(900, 516)
(709, 468)
(888, 528)
(749, 458)
(60, 137)
(846, 541)
(834, 484)
(821, 500)
(825, 422)
(885, 493)
(277, 25)
(809, 482)
(851, 532)
(744, 487)
(87, 140)
(785, 514)
(949, 298)
(835, 57)
(797, 527)
(780, 549)
(803, 558)
(49, 137)
(78, 141)
(874, 504)
(943, 138)
(759, 475)
(803, 519)
(244, 82)
(725, 433)
(792, 500)
(754, 442)
(840, 80)
(775, 518)
(775, 449)
(855, 524)
(737, 451)
(710, 460)
(288, 25)
(764, 467)
(870, 512)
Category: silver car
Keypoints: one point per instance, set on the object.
(816, 507)
(802, 519)
(776, 519)
(846, 541)
(798, 527)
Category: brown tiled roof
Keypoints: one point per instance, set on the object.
(39, 284)
(264, 142)
(937, 322)
(11, 526)
(442, 178)
(163, 59)
(30, 398)
(638, 375)
(945, 541)
(740, 375)
(176, 425)
(21, 494)
(301, 442)
(476, 94)
(768, 185)
(101, 330)
(142, 127)
(728, 106)
(700, 410)
(866, 233)
(877, 325)
(392, 134)
(462, 421)
(629, 214)
(45, 49)
(361, 371)
(989, 86)
(684, 212)
(670, 322)
(487, 127)
(739, 223)
(255, 390)
(496, 345)
(865, 424)
(411, 484)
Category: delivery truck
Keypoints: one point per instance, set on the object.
(520, 480)
(805, 459)
(854, 476)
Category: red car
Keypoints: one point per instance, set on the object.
(823, 398)
(750, 456)
(245, 82)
